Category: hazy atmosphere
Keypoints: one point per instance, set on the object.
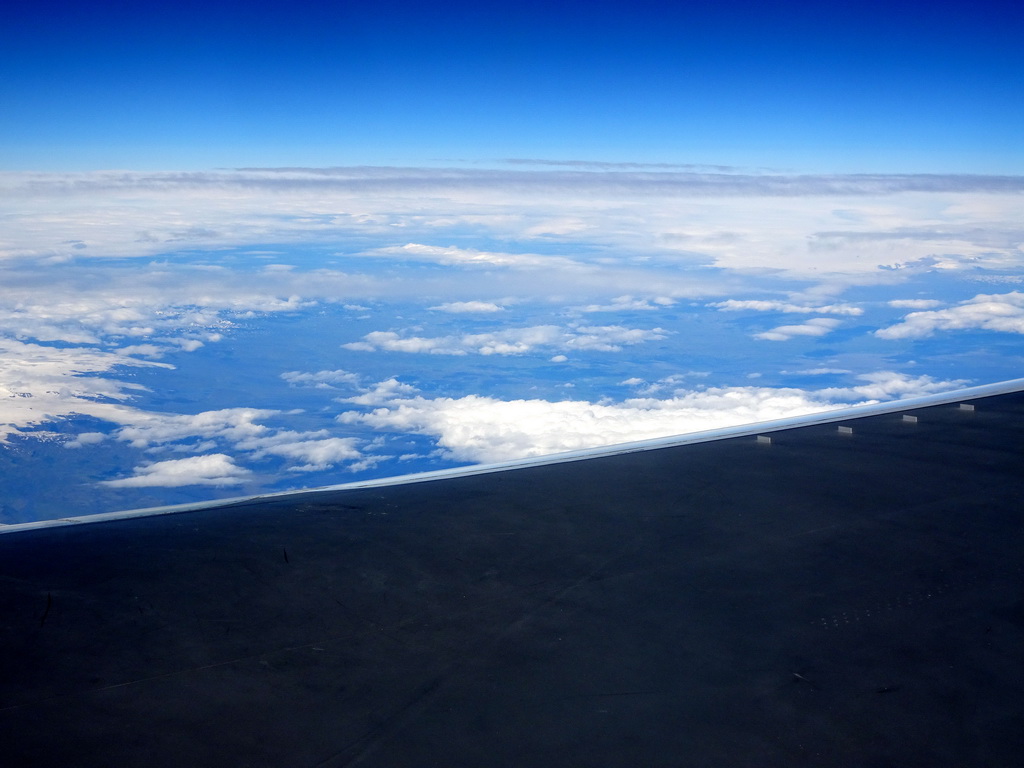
(250, 249)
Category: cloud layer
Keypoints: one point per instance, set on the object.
(239, 430)
(512, 341)
(817, 326)
(990, 312)
(736, 305)
(809, 225)
(214, 469)
(40, 383)
(114, 279)
(477, 428)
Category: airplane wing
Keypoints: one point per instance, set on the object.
(844, 592)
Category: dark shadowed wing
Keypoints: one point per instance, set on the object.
(838, 594)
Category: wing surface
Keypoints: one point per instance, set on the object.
(845, 594)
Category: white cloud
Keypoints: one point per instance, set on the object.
(914, 303)
(630, 303)
(512, 341)
(889, 385)
(991, 312)
(818, 326)
(238, 429)
(234, 425)
(462, 307)
(471, 257)
(125, 312)
(382, 392)
(485, 429)
(817, 372)
(806, 225)
(213, 469)
(143, 350)
(80, 312)
(314, 455)
(40, 383)
(161, 309)
(734, 305)
(673, 383)
(86, 438)
(321, 379)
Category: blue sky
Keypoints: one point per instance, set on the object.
(830, 87)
